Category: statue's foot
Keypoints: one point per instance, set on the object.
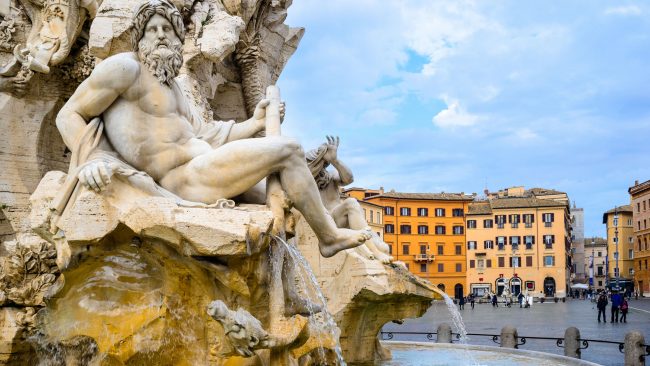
(343, 239)
(384, 258)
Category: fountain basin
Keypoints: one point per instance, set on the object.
(439, 354)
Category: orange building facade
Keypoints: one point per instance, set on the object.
(640, 202)
(426, 231)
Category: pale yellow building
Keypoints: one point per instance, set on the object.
(596, 252)
(620, 245)
(520, 242)
(640, 199)
(374, 217)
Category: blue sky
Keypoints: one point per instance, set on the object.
(431, 96)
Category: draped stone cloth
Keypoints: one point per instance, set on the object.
(86, 149)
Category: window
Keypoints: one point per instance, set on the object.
(488, 244)
(423, 229)
(630, 254)
(405, 211)
(548, 219)
(471, 245)
(529, 240)
(459, 249)
(529, 219)
(481, 264)
(514, 220)
(440, 212)
(471, 224)
(638, 207)
(408, 267)
(423, 267)
(423, 248)
(514, 241)
(390, 248)
(459, 267)
(515, 262)
(501, 242)
(423, 212)
(489, 263)
(457, 230)
(615, 239)
(549, 240)
(389, 228)
(549, 260)
(600, 254)
(389, 210)
(441, 267)
(501, 262)
(457, 212)
(472, 263)
(405, 248)
(500, 220)
(599, 271)
(405, 229)
(487, 223)
(440, 230)
(529, 261)
(441, 249)
(370, 216)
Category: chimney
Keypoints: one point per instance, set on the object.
(636, 182)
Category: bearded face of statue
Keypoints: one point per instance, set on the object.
(160, 49)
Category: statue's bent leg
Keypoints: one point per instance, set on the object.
(237, 166)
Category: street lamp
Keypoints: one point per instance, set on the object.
(591, 267)
(616, 242)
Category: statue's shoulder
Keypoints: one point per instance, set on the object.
(122, 68)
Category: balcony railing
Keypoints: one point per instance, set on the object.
(424, 257)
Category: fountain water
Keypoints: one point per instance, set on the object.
(328, 319)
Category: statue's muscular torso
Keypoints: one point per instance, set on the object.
(148, 124)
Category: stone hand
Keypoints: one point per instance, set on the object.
(13, 85)
(260, 110)
(332, 147)
(96, 175)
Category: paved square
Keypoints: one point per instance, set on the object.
(541, 320)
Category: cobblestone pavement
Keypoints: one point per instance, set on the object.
(541, 320)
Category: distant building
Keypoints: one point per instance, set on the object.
(374, 217)
(596, 252)
(519, 239)
(580, 264)
(640, 202)
(426, 231)
(620, 243)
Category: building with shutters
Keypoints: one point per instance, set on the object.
(426, 231)
(519, 240)
(640, 202)
(620, 247)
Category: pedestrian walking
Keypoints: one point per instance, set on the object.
(617, 300)
(461, 303)
(520, 297)
(472, 299)
(601, 304)
(624, 308)
(494, 301)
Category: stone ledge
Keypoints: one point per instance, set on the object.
(192, 231)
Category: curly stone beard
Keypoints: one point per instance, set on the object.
(163, 62)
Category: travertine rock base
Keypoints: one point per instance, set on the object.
(363, 295)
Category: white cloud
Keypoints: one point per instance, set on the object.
(454, 116)
(623, 10)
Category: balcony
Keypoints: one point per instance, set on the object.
(424, 257)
